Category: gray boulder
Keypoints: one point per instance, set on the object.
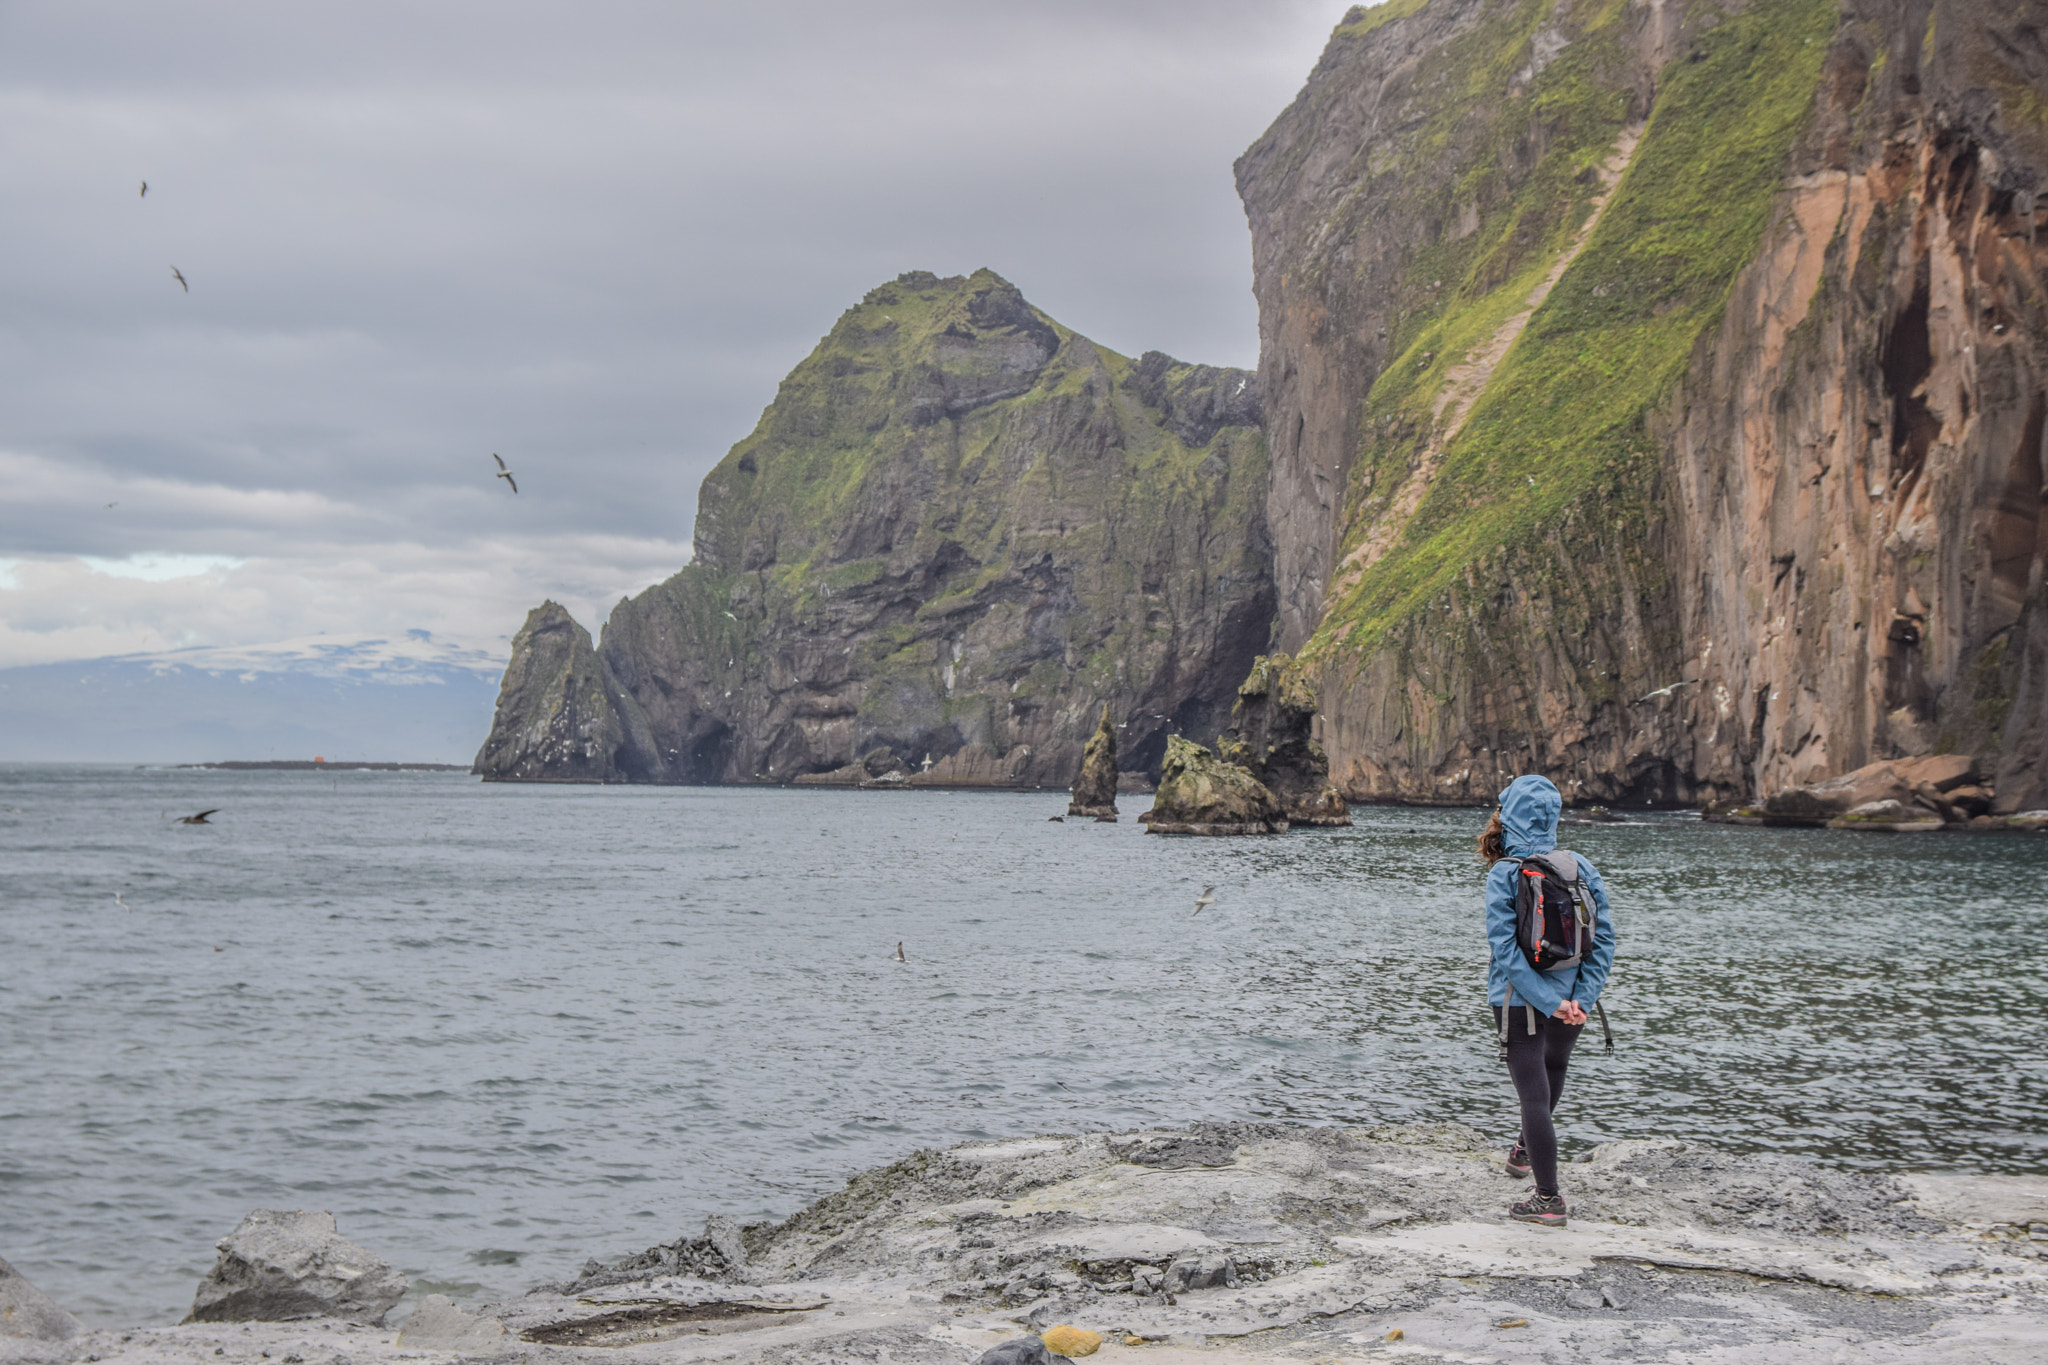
(27, 1313)
(282, 1264)
(438, 1322)
(1212, 1271)
(1026, 1350)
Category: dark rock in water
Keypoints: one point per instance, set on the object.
(1270, 737)
(28, 1314)
(556, 721)
(282, 1264)
(1201, 794)
(958, 527)
(1025, 1350)
(1095, 786)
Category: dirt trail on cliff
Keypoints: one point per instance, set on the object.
(1465, 381)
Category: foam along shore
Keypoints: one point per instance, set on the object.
(1236, 1242)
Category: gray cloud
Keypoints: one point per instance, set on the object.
(590, 237)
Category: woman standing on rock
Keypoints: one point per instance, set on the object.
(1553, 971)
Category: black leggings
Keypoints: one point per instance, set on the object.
(1536, 1062)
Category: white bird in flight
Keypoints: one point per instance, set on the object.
(1204, 899)
(503, 472)
(1667, 691)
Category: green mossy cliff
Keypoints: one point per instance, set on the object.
(958, 532)
(1654, 392)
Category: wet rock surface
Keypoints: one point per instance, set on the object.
(1271, 736)
(281, 1264)
(1199, 793)
(1095, 785)
(1229, 1242)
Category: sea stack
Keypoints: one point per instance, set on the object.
(1201, 794)
(1095, 786)
(1270, 738)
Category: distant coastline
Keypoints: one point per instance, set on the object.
(321, 765)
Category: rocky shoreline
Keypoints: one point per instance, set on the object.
(1259, 1242)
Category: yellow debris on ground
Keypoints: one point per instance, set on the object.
(1396, 1334)
(1071, 1341)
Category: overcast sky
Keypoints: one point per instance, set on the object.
(590, 237)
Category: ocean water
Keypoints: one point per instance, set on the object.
(499, 1029)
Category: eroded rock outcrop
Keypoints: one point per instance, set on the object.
(1199, 793)
(1656, 393)
(1943, 786)
(281, 1264)
(556, 719)
(1095, 785)
(1271, 737)
(958, 531)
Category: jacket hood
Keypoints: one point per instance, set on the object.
(1528, 815)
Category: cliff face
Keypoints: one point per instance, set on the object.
(1656, 392)
(958, 531)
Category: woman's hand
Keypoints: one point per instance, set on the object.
(1570, 1012)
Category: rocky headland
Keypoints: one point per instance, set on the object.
(1254, 1242)
(958, 532)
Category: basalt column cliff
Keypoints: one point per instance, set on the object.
(958, 532)
(1656, 392)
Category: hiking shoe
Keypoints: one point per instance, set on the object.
(1518, 1162)
(1544, 1210)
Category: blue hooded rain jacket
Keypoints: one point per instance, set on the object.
(1528, 817)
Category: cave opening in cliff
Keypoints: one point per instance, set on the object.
(708, 757)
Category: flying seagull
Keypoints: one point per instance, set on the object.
(1204, 899)
(899, 952)
(1667, 691)
(145, 191)
(123, 904)
(505, 473)
(199, 819)
(180, 279)
(111, 504)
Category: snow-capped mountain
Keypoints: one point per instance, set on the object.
(405, 698)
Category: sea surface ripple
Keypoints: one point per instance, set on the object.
(498, 1029)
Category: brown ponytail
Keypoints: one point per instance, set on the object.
(1493, 841)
